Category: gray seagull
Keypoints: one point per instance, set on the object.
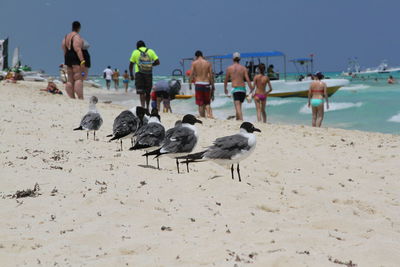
(179, 140)
(92, 120)
(228, 150)
(150, 136)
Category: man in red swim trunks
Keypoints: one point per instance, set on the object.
(201, 72)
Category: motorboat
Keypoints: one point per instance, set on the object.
(383, 68)
(281, 87)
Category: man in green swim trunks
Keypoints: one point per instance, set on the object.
(144, 60)
(238, 75)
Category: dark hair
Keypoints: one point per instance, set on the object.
(198, 53)
(271, 66)
(109, 67)
(236, 59)
(319, 75)
(261, 67)
(140, 44)
(76, 25)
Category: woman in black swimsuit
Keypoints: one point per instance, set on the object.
(77, 61)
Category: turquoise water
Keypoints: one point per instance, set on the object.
(366, 105)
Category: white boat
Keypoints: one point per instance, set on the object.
(383, 68)
(34, 76)
(281, 88)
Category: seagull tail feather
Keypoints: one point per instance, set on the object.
(79, 128)
(138, 146)
(195, 157)
(155, 153)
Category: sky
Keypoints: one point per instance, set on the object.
(331, 30)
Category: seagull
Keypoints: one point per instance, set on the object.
(127, 123)
(150, 136)
(228, 150)
(179, 140)
(92, 121)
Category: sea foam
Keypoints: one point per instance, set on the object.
(333, 106)
(279, 102)
(355, 87)
(395, 118)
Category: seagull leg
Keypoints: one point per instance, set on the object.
(132, 141)
(87, 135)
(121, 143)
(238, 171)
(232, 171)
(187, 164)
(158, 164)
(147, 159)
(177, 165)
(94, 135)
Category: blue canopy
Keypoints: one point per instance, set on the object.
(250, 55)
(304, 59)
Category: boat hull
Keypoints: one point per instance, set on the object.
(280, 88)
(331, 90)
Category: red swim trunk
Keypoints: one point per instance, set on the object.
(203, 94)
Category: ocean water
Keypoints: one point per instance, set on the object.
(365, 104)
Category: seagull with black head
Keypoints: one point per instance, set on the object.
(228, 150)
(180, 140)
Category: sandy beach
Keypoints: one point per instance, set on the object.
(308, 197)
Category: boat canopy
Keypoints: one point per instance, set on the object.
(219, 58)
(301, 60)
(251, 55)
(304, 65)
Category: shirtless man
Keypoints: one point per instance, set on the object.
(260, 96)
(201, 73)
(316, 95)
(238, 75)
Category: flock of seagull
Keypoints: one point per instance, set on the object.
(147, 133)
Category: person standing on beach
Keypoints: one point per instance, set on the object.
(238, 75)
(125, 80)
(74, 59)
(107, 75)
(115, 77)
(144, 60)
(260, 96)
(202, 75)
(316, 95)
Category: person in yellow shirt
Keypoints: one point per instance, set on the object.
(144, 60)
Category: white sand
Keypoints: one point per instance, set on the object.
(308, 196)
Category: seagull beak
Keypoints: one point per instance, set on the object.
(256, 130)
(199, 121)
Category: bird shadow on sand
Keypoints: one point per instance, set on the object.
(215, 177)
(147, 166)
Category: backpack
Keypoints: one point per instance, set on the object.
(145, 63)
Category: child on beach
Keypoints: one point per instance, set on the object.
(52, 88)
(260, 95)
